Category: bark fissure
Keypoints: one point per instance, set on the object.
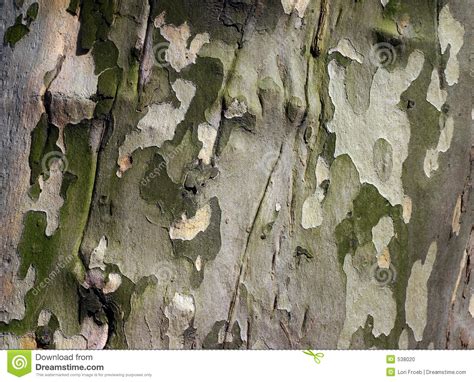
(243, 259)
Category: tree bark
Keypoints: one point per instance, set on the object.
(238, 174)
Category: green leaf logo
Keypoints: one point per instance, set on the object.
(19, 362)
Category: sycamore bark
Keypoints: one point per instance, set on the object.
(243, 174)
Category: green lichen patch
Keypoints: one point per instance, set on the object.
(43, 141)
(197, 177)
(73, 7)
(180, 158)
(16, 32)
(103, 107)
(207, 75)
(119, 306)
(55, 258)
(106, 91)
(157, 89)
(19, 30)
(96, 17)
(158, 188)
(105, 55)
(181, 11)
(108, 82)
(32, 12)
(356, 229)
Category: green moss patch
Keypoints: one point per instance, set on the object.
(55, 258)
(16, 32)
(43, 141)
(96, 17)
(105, 55)
(158, 188)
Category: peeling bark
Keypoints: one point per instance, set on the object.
(254, 174)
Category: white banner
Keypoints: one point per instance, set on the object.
(228, 365)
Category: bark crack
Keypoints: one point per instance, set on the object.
(320, 31)
(146, 51)
(243, 260)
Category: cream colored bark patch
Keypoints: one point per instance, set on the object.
(198, 263)
(382, 132)
(451, 33)
(295, 5)
(71, 100)
(179, 312)
(322, 171)
(50, 200)
(384, 259)
(188, 228)
(158, 125)
(98, 254)
(235, 109)
(12, 298)
(207, 135)
(178, 55)
(113, 283)
(382, 233)
(436, 96)
(44, 317)
(407, 208)
(61, 342)
(403, 340)
(91, 337)
(364, 297)
(84, 86)
(471, 305)
(345, 47)
(312, 211)
(456, 222)
(416, 303)
(95, 335)
(430, 164)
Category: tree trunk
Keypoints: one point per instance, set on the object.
(245, 174)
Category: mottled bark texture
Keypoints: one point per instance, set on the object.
(245, 174)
